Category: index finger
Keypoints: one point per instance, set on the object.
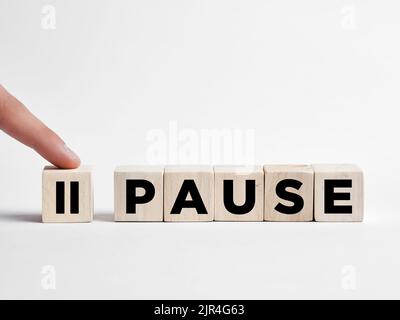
(17, 121)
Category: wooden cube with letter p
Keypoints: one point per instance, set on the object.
(138, 193)
(67, 195)
(339, 193)
(288, 193)
(239, 193)
(189, 193)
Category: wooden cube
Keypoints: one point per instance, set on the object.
(67, 195)
(239, 193)
(288, 193)
(339, 193)
(189, 193)
(138, 193)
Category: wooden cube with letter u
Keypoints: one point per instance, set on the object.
(239, 193)
(188, 193)
(67, 195)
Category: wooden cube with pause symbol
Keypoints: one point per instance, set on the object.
(67, 195)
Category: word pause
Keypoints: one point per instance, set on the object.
(206, 193)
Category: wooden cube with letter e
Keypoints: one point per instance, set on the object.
(339, 193)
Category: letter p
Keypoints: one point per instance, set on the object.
(132, 197)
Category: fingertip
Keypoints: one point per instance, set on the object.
(69, 159)
(68, 164)
(57, 153)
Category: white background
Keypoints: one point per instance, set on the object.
(316, 81)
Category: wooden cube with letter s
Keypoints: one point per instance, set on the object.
(288, 193)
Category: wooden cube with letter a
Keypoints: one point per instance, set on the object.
(189, 193)
(67, 195)
(288, 193)
(339, 193)
(138, 193)
(239, 193)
